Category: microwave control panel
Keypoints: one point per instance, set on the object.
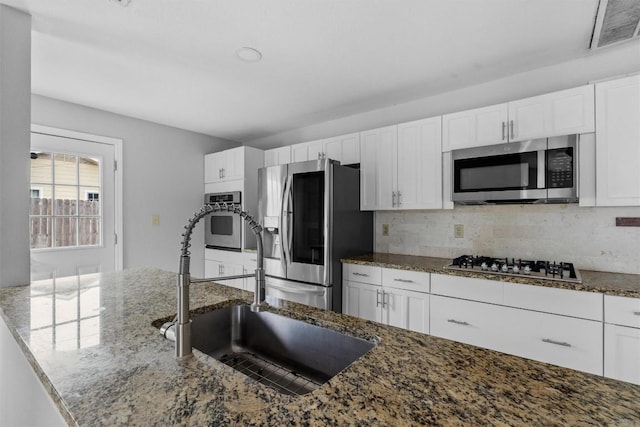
(560, 168)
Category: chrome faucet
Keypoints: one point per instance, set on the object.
(182, 322)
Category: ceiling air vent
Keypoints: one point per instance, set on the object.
(617, 21)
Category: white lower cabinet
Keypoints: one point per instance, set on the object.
(622, 353)
(214, 269)
(361, 300)
(622, 338)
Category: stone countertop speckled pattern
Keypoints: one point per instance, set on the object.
(111, 367)
(619, 284)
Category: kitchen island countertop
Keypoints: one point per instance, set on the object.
(116, 369)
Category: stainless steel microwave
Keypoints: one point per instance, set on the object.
(533, 171)
(223, 230)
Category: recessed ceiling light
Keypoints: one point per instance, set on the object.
(249, 54)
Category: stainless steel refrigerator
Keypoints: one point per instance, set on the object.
(310, 212)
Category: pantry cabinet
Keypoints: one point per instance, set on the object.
(559, 113)
(401, 166)
(618, 142)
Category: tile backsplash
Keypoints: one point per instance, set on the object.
(588, 237)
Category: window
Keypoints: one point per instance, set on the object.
(65, 206)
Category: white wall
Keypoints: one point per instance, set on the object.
(163, 174)
(15, 87)
(595, 65)
(587, 237)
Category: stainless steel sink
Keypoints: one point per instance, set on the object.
(289, 355)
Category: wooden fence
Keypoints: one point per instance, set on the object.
(76, 223)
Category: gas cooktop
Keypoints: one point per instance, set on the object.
(563, 271)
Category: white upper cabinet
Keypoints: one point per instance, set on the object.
(474, 128)
(419, 165)
(401, 166)
(559, 113)
(227, 165)
(277, 156)
(618, 142)
(378, 149)
(344, 148)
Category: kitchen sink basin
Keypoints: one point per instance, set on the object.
(288, 355)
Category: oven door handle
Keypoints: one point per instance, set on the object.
(297, 289)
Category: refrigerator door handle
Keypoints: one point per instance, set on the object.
(285, 217)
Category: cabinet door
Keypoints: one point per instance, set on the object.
(559, 113)
(316, 150)
(419, 165)
(618, 142)
(622, 353)
(277, 156)
(345, 148)
(300, 152)
(377, 180)
(232, 164)
(362, 300)
(468, 322)
(212, 167)
(475, 128)
(406, 309)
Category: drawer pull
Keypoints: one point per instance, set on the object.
(360, 274)
(458, 322)
(378, 298)
(637, 313)
(564, 344)
(403, 280)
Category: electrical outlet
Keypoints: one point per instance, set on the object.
(155, 219)
(458, 231)
(385, 229)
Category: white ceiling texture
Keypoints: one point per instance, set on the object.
(174, 61)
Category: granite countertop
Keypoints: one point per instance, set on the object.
(107, 365)
(619, 284)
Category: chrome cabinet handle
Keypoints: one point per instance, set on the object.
(511, 126)
(403, 280)
(219, 173)
(564, 344)
(393, 199)
(360, 274)
(378, 297)
(637, 313)
(504, 128)
(458, 322)
(385, 299)
(223, 172)
(399, 202)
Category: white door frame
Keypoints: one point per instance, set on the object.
(117, 148)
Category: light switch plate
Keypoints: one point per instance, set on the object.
(458, 231)
(155, 219)
(385, 229)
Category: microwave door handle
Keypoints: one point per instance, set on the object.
(542, 169)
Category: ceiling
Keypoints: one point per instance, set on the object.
(174, 61)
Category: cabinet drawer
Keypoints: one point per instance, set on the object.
(559, 340)
(468, 288)
(586, 305)
(403, 279)
(468, 322)
(622, 311)
(362, 274)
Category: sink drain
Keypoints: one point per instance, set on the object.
(266, 372)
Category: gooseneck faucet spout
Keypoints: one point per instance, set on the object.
(183, 322)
